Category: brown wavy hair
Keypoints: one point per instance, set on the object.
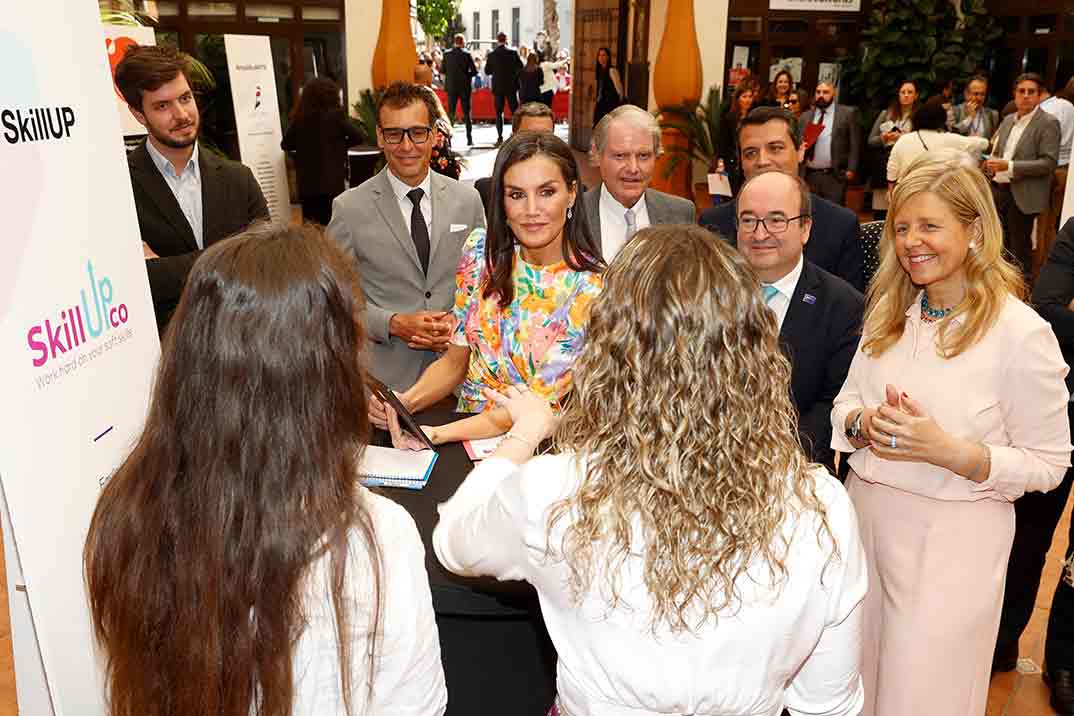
(681, 414)
(990, 278)
(243, 477)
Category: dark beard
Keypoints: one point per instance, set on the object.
(822, 103)
(173, 144)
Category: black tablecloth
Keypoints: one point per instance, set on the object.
(497, 656)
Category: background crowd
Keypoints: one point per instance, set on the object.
(776, 479)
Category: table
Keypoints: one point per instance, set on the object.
(497, 656)
(362, 162)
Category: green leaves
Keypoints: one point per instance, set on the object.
(919, 40)
(435, 15)
(699, 123)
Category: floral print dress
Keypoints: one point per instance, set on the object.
(535, 340)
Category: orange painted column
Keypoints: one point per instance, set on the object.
(396, 55)
(677, 80)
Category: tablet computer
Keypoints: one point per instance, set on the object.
(408, 423)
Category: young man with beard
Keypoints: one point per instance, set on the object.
(186, 199)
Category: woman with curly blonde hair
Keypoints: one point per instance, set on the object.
(687, 557)
(954, 406)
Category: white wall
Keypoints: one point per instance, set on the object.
(361, 30)
(531, 19)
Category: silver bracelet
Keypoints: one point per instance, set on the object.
(531, 444)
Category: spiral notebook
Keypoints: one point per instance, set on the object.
(388, 467)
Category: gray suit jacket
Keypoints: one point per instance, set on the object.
(1034, 160)
(846, 137)
(663, 209)
(963, 124)
(367, 222)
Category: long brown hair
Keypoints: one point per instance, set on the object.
(579, 248)
(243, 477)
(682, 417)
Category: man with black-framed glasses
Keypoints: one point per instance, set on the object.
(819, 314)
(405, 228)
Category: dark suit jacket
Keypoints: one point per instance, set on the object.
(846, 137)
(231, 200)
(833, 242)
(459, 69)
(503, 64)
(662, 208)
(820, 336)
(320, 144)
(1055, 289)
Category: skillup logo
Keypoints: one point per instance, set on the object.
(79, 324)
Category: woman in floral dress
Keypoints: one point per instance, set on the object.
(523, 291)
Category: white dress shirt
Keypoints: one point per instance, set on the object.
(781, 301)
(406, 206)
(410, 676)
(797, 647)
(822, 149)
(185, 187)
(613, 223)
(1062, 110)
(1015, 136)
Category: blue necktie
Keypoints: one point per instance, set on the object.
(769, 292)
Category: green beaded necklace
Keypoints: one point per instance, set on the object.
(935, 314)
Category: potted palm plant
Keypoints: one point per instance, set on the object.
(699, 125)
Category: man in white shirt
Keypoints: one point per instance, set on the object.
(819, 314)
(832, 161)
(186, 199)
(1048, 221)
(625, 145)
(1022, 165)
(404, 229)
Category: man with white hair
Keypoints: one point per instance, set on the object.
(625, 145)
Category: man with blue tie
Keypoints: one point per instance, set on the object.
(819, 314)
(832, 161)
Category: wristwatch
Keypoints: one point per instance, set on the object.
(854, 431)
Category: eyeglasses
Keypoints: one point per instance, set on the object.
(394, 135)
(792, 101)
(773, 224)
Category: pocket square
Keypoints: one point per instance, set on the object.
(458, 227)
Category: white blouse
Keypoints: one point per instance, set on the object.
(798, 647)
(409, 679)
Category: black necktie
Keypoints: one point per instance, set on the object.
(419, 230)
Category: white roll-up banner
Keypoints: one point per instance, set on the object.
(257, 118)
(77, 326)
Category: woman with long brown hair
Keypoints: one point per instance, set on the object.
(894, 122)
(522, 297)
(687, 557)
(954, 406)
(234, 563)
(319, 134)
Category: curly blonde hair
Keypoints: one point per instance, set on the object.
(952, 177)
(681, 414)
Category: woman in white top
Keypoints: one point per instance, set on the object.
(930, 135)
(687, 558)
(234, 544)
